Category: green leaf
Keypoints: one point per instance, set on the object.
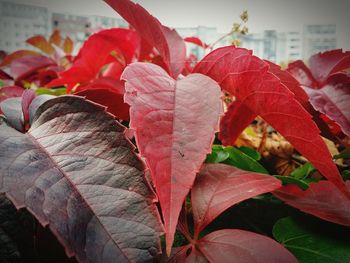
(346, 174)
(55, 92)
(250, 152)
(345, 154)
(303, 171)
(218, 155)
(243, 161)
(310, 245)
(292, 180)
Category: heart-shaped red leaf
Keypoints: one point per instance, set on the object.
(248, 78)
(75, 171)
(321, 199)
(220, 186)
(174, 123)
(167, 41)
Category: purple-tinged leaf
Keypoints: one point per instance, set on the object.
(12, 110)
(27, 98)
(76, 172)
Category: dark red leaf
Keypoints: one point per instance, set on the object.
(76, 172)
(235, 120)
(167, 41)
(110, 98)
(196, 41)
(233, 245)
(174, 123)
(321, 199)
(220, 186)
(249, 80)
(334, 100)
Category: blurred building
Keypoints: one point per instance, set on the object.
(19, 22)
(318, 38)
(207, 34)
(278, 47)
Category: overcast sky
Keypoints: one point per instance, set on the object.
(282, 15)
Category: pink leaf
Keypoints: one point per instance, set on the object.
(321, 199)
(233, 245)
(167, 41)
(302, 74)
(248, 78)
(27, 98)
(235, 120)
(334, 100)
(174, 123)
(76, 172)
(221, 186)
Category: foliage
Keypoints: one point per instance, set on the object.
(69, 161)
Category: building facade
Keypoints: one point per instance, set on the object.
(318, 38)
(19, 22)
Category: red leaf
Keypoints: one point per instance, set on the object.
(17, 54)
(174, 123)
(300, 95)
(96, 52)
(55, 38)
(76, 172)
(235, 120)
(221, 186)
(321, 199)
(334, 100)
(196, 41)
(248, 78)
(167, 41)
(230, 245)
(110, 98)
(41, 43)
(322, 65)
